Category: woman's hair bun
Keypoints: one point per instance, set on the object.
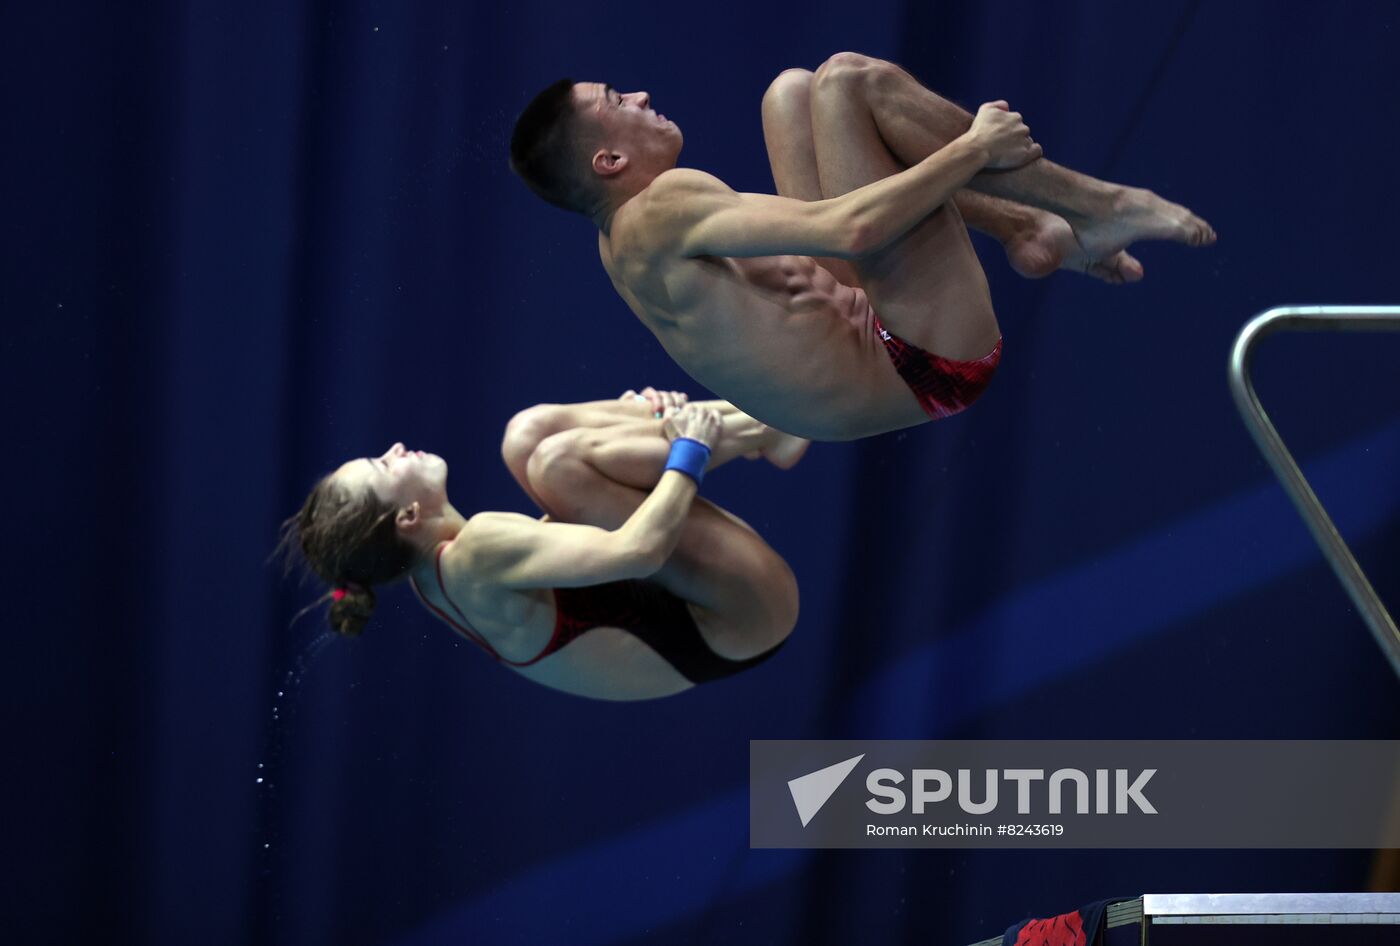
(351, 610)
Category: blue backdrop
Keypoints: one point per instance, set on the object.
(243, 242)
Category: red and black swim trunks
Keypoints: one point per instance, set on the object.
(943, 386)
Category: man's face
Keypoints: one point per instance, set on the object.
(626, 122)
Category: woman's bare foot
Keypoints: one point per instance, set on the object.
(782, 450)
(1050, 244)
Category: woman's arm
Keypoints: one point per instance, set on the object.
(520, 552)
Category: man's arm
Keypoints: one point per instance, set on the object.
(713, 220)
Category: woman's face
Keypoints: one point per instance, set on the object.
(400, 477)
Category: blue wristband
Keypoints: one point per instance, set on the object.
(689, 457)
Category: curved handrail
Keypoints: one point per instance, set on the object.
(1343, 318)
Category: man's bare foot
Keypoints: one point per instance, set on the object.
(1139, 214)
(782, 450)
(1050, 244)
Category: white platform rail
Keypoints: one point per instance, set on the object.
(1315, 318)
(1362, 909)
(1248, 919)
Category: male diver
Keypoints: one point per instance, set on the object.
(820, 310)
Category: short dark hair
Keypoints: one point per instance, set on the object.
(544, 152)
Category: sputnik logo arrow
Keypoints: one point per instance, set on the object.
(811, 791)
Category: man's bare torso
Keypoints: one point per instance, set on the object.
(778, 336)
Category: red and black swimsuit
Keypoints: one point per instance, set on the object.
(642, 608)
(943, 386)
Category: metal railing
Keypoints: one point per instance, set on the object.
(1326, 318)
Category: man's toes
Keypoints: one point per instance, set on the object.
(1102, 271)
(1119, 268)
(1201, 233)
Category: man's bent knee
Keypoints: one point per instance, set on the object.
(791, 88)
(844, 68)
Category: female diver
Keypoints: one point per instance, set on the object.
(628, 588)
